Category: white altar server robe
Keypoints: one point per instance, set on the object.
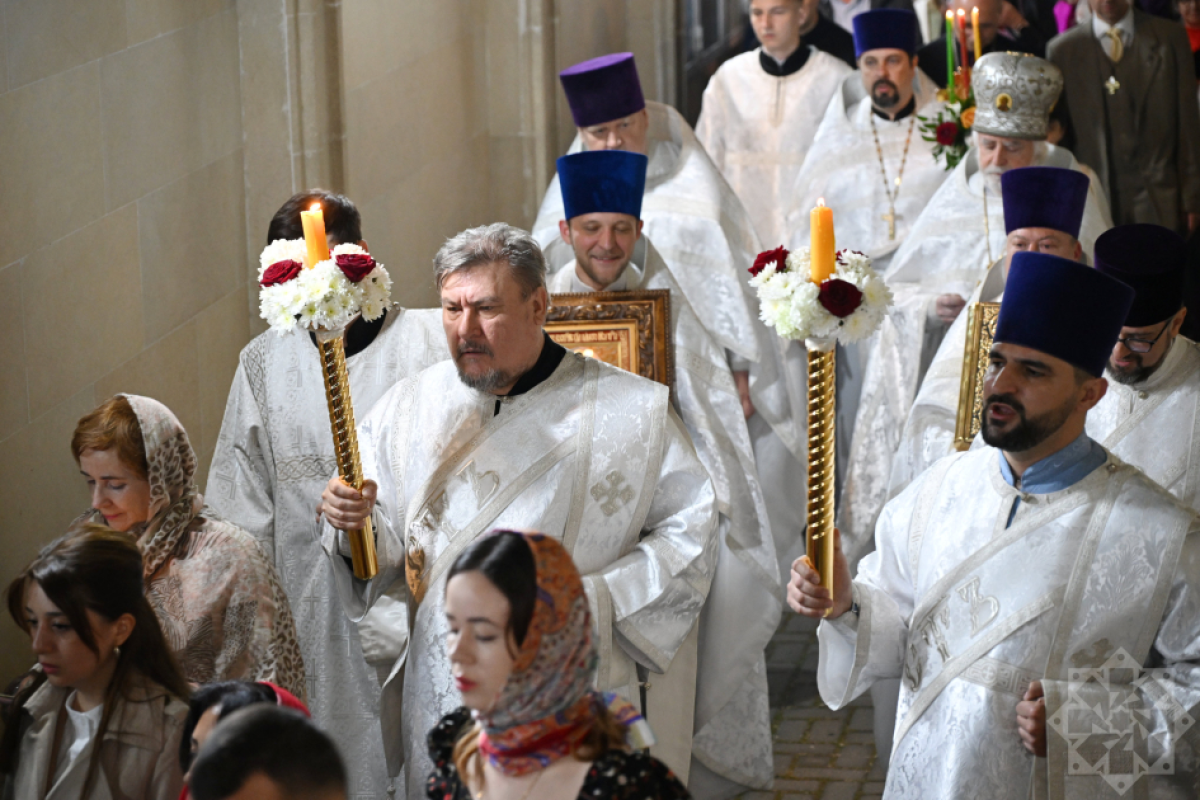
(273, 458)
(967, 612)
(757, 128)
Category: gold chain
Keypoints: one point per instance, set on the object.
(891, 193)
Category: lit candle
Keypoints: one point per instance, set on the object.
(950, 53)
(975, 33)
(821, 243)
(314, 236)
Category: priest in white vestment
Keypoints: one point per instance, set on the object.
(1043, 213)
(602, 196)
(870, 164)
(516, 432)
(761, 111)
(1150, 417)
(1020, 588)
(944, 257)
(274, 455)
(703, 233)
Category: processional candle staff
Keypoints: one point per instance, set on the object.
(306, 287)
(820, 296)
(962, 42)
(975, 33)
(950, 53)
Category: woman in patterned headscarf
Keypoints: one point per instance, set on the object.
(520, 645)
(217, 597)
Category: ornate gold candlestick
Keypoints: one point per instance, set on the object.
(345, 443)
(821, 453)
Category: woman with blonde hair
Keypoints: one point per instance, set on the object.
(219, 600)
(104, 715)
(522, 655)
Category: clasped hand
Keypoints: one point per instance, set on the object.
(345, 507)
(807, 596)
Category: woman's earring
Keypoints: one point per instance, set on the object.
(117, 651)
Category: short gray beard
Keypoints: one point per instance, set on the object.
(487, 382)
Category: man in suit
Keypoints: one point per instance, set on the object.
(843, 12)
(1130, 94)
(994, 38)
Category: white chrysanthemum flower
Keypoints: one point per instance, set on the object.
(347, 250)
(281, 250)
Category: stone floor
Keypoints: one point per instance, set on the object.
(819, 754)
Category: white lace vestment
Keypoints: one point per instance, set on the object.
(593, 456)
(273, 458)
(967, 612)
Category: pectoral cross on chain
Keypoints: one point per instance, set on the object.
(890, 219)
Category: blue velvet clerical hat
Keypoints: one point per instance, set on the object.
(603, 89)
(1044, 197)
(886, 28)
(1153, 260)
(1062, 308)
(602, 180)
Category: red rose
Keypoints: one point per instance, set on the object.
(281, 272)
(839, 297)
(777, 256)
(355, 266)
(946, 133)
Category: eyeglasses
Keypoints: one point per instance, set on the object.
(1137, 345)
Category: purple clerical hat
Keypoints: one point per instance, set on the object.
(1153, 260)
(603, 89)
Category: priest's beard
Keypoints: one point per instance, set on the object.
(885, 94)
(1027, 433)
(487, 381)
(1135, 374)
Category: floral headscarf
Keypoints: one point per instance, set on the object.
(175, 499)
(547, 705)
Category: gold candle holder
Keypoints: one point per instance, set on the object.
(821, 452)
(345, 443)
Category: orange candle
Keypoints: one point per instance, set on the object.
(975, 33)
(314, 236)
(821, 242)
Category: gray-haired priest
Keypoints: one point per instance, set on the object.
(517, 432)
(1043, 211)
(1151, 414)
(947, 253)
(1027, 592)
(602, 199)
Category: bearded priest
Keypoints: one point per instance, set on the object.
(1151, 414)
(761, 111)
(1026, 585)
(702, 232)
(1043, 212)
(731, 751)
(943, 259)
(275, 453)
(869, 161)
(517, 432)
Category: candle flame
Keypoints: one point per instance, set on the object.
(315, 207)
(821, 202)
(950, 16)
(962, 13)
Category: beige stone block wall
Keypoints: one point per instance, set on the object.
(123, 254)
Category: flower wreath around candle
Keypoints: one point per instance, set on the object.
(847, 306)
(326, 296)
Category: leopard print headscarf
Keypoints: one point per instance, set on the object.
(175, 499)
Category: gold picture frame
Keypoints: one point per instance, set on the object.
(981, 328)
(630, 330)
